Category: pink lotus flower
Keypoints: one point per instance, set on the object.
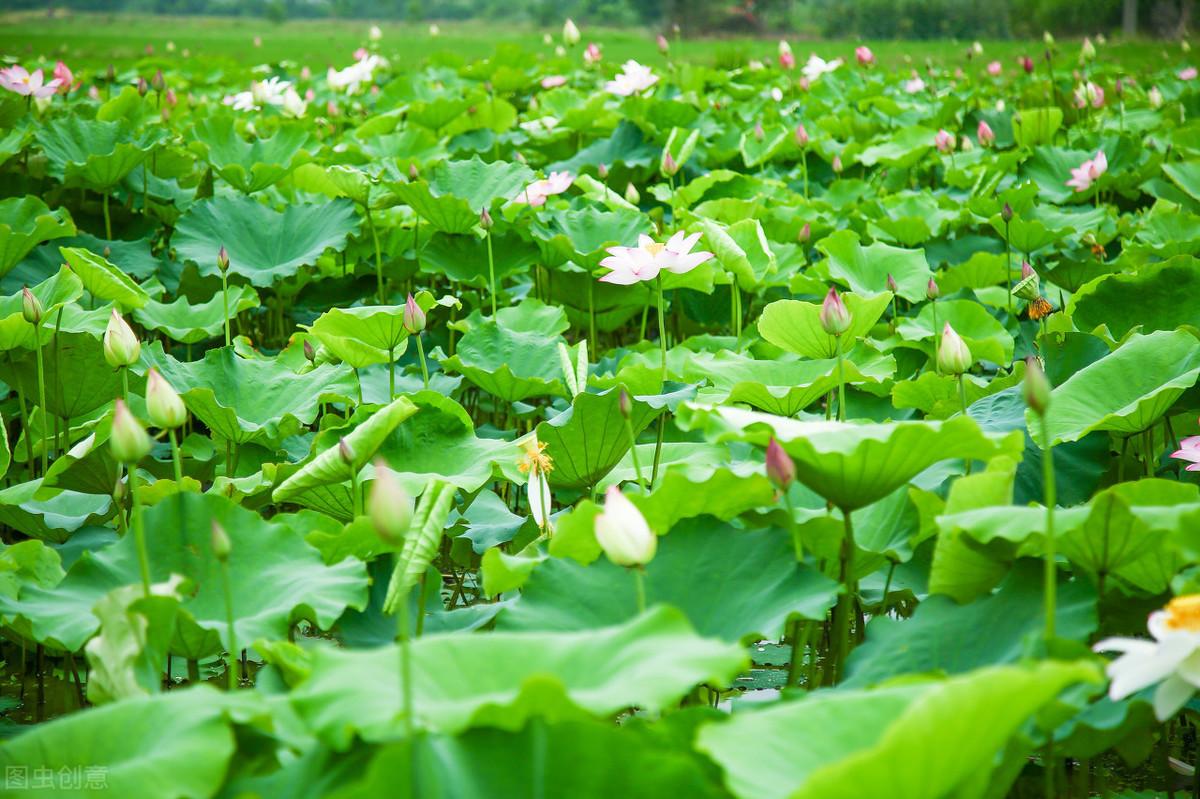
(1027, 64)
(914, 85)
(361, 53)
(1088, 172)
(1189, 450)
(944, 141)
(19, 80)
(62, 74)
(631, 265)
(1089, 94)
(663, 45)
(994, 69)
(787, 59)
(553, 81)
(633, 79)
(985, 134)
(1188, 74)
(864, 56)
(591, 54)
(536, 193)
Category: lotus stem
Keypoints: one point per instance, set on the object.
(421, 356)
(1007, 270)
(962, 398)
(804, 169)
(125, 383)
(355, 493)
(936, 338)
(491, 269)
(841, 382)
(176, 458)
(107, 220)
(227, 584)
(225, 301)
(591, 311)
(637, 466)
(639, 585)
(1050, 498)
(139, 532)
(41, 378)
(391, 375)
(406, 693)
(845, 604)
(378, 257)
(662, 329)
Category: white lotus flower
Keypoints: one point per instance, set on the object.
(631, 265)
(1171, 660)
(536, 193)
(634, 78)
(622, 531)
(293, 105)
(816, 66)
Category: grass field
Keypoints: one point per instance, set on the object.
(95, 40)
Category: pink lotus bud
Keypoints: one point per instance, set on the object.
(413, 172)
(805, 233)
(222, 259)
(803, 84)
(994, 69)
(1026, 270)
(669, 167)
(932, 292)
(663, 45)
(891, 284)
(624, 403)
(801, 136)
(485, 219)
(834, 316)
(31, 307)
(310, 354)
(142, 87)
(345, 452)
(781, 469)
(985, 134)
(121, 345)
(1006, 213)
(62, 73)
(1027, 64)
(758, 131)
(864, 55)
(305, 73)
(944, 141)
(837, 164)
(591, 54)
(389, 506)
(954, 356)
(602, 171)
(413, 317)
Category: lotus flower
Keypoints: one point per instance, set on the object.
(622, 531)
(994, 68)
(944, 141)
(62, 74)
(633, 79)
(1188, 73)
(1189, 450)
(787, 60)
(834, 317)
(954, 356)
(1088, 172)
(631, 265)
(1027, 64)
(1171, 660)
(1089, 94)
(864, 56)
(591, 54)
(816, 66)
(1155, 97)
(28, 84)
(985, 134)
(914, 85)
(570, 33)
(664, 46)
(553, 81)
(535, 193)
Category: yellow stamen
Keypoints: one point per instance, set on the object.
(535, 460)
(1183, 613)
(654, 247)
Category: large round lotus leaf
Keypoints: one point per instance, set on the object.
(900, 148)
(865, 269)
(590, 437)
(343, 180)
(249, 165)
(501, 679)
(784, 387)
(277, 578)
(1186, 175)
(264, 245)
(850, 464)
(457, 191)
(515, 357)
(910, 741)
(178, 744)
(78, 381)
(1156, 297)
(25, 222)
(55, 292)
(584, 235)
(983, 334)
(103, 280)
(463, 258)
(760, 588)
(94, 153)
(795, 326)
(190, 323)
(50, 514)
(244, 399)
(1126, 391)
(364, 335)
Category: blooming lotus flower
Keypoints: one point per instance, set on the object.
(776, 95)
(633, 79)
(994, 68)
(553, 81)
(985, 134)
(591, 54)
(353, 77)
(1189, 450)
(1171, 660)
(537, 464)
(816, 66)
(535, 193)
(914, 85)
(28, 84)
(292, 105)
(864, 56)
(1188, 73)
(622, 531)
(787, 60)
(1089, 94)
(62, 74)
(1088, 172)
(631, 265)
(944, 141)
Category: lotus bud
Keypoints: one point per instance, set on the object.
(891, 284)
(1036, 386)
(1087, 51)
(801, 136)
(663, 45)
(834, 316)
(142, 87)
(414, 317)
(1006, 213)
(837, 164)
(1028, 287)
(622, 531)
(805, 234)
(158, 82)
(1048, 38)
(128, 441)
(222, 547)
(631, 194)
(31, 307)
(163, 405)
(309, 353)
(602, 171)
(485, 220)
(669, 167)
(1027, 64)
(954, 356)
(570, 33)
(121, 345)
(932, 292)
(966, 145)
(1155, 97)
(390, 507)
(222, 260)
(625, 404)
(864, 56)
(413, 172)
(985, 134)
(781, 469)
(944, 141)
(346, 452)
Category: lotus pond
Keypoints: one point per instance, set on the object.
(537, 425)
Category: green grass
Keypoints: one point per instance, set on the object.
(92, 41)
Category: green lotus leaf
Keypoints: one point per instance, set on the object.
(331, 467)
(463, 258)
(78, 381)
(1186, 175)
(627, 145)
(785, 387)
(588, 439)
(264, 245)
(1124, 392)
(88, 467)
(900, 148)
(28, 562)
(94, 153)
(179, 744)
(503, 678)
(912, 740)
(514, 356)
(190, 323)
(1036, 126)
(364, 335)
(761, 586)
(937, 396)
(103, 280)
(244, 399)
(25, 222)
(249, 166)
(865, 269)
(584, 235)
(276, 577)
(741, 249)
(457, 191)
(55, 292)
(51, 514)
(850, 464)
(1156, 297)
(983, 334)
(795, 326)
(344, 180)
(126, 655)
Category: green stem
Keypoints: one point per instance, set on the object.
(845, 604)
(391, 375)
(804, 167)
(936, 339)
(41, 378)
(229, 619)
(176, 459)
(1050, 498)
(658, 444)
(139, 533)
(591, 312)
(841, 383)
(378, 257)
(662, 330)
(107, 220)
(637, 466)
(1008, 268)
(225, 301)
(406, 694)
(962, 398)
(421, 355)
(491, 271)
(355, 494)
(125, 383)
(639, 584)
